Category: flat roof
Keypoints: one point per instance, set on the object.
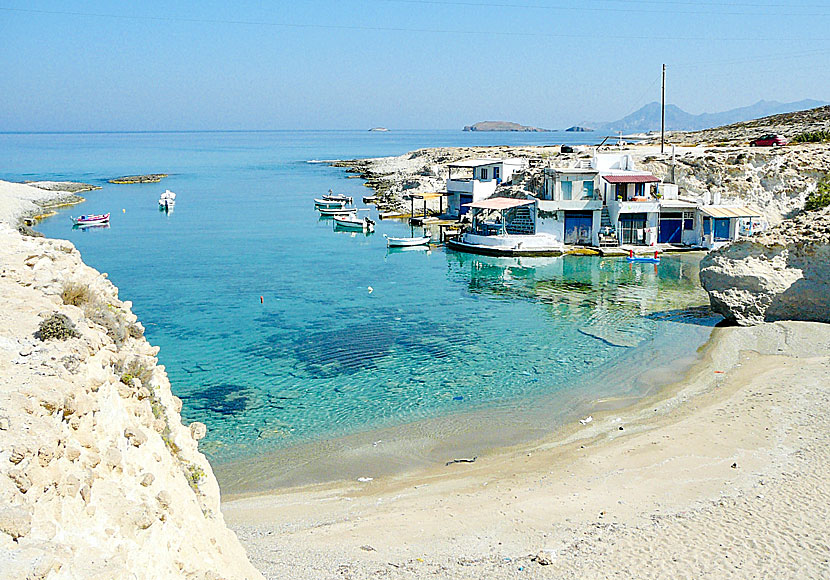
(470, 163)
(719, 211)
(640, 178)
(676, 203)
(428, 195)
(499, 203)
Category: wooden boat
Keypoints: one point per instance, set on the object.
(91, 219)
(352, 222)
(337, 211)
(337, 197)
(370, 199)
(328, 203)
(406, 242)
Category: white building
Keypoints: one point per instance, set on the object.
(632, 198)
(476, 179)
(570, 206)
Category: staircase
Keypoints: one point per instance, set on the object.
(607, 233)
(521, 223)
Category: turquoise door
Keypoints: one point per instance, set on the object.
(721, 229)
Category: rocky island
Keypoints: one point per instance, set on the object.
(502, 126)
(148, 178)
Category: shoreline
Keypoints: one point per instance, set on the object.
(692, 460)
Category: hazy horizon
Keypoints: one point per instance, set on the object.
(402, 64)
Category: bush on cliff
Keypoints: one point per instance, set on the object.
(820, 197)
(812, 137)
(57, 326)
(100, 312)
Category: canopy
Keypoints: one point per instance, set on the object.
(499, 203)
(718, 211)
(429, 195)
(648, 178)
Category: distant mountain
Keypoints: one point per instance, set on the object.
(502, 126)
(648, 118)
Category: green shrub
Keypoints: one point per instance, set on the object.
(194, 475)
(820, 197)
(57, 326)
(812, 137)
(135, 369)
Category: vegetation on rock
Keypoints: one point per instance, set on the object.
(820, 198)
(57, 326)
(812, 137)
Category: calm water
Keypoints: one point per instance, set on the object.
(321, 356)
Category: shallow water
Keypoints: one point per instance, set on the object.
(264, 314)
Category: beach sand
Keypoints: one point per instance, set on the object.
(723, 474)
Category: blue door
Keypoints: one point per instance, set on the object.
(464, 198)
(721, 228)
(579, 227)
(671, 228)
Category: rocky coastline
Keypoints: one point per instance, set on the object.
(99, 478)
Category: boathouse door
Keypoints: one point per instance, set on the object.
(671, 228)
(721, 229)
(579, 227)
(464, 198)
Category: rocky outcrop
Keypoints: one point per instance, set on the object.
(98, 476)
(502, 126)
(783, 274)
(149, 178)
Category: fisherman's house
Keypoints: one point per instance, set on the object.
(476, 179)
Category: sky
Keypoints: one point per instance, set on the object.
(402, 64)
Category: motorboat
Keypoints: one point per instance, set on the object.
(337, 197)
(167, 200)
(337, 211)
(90, 219)
(329, 203)
(352, 222)
(406, 242)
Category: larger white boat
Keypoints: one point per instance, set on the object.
(90, 220)
(337, 211)
(167, 200)
(352, 222)
(329, 203)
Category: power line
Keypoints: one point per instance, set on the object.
(361, 28)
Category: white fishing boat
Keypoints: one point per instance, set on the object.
(329, 203)
(167, 200)
(406, 242)
(352, 222)
(337, 211)
(337, 197)
(90, 220)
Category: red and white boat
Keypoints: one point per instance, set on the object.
(91, 219)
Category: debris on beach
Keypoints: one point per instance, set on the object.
(463, 460)
(586, 420)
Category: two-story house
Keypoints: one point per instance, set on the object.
(476, 179)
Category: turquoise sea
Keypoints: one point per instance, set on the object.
(264, 314)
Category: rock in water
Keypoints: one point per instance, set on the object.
(782, 274)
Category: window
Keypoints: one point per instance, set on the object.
(688, 220)
(567, 190)
(483, 174)
(588, 189)
(639, 190)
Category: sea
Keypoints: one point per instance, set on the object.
(285, 335)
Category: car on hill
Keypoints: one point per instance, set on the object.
(770, 140)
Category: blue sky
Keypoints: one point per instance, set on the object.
(415, 64)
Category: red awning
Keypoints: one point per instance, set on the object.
(630, 178)
(499, 203)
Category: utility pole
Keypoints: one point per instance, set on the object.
(663, 115)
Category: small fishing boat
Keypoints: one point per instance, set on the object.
(370, 199)
(352, 222)
(337, 197)
(406, 242)
(90, 219)
(336, 211)
(167, 200)
(329, 203)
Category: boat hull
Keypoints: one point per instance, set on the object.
(364, 225)
(407, 242)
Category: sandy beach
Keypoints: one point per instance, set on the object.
(721, 475)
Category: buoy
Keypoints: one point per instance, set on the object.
(261, 300)
(371, 289)
(655, 255)
(123, 210)
(630, 253)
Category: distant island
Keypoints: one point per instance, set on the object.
(502, 126)
(149, 178)
(578, 129)
(379, 129)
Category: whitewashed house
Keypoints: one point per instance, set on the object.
(476, 179)
(632, 198)
(570, 207)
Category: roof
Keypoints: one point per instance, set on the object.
(482, 161)
(719, 211)
(499, 203)
(428, 195)
(677, 203)
(636, 178)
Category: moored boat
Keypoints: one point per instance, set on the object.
(406, 242)
(352, 222)
(167, 200)
(329, 203)
(90, 219)
(337, 211)
(337, 197)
